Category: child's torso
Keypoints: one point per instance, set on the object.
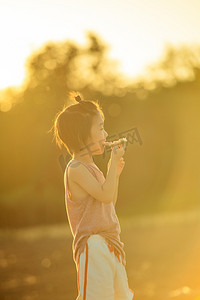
(88, 216)
(77, 192)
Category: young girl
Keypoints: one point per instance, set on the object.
(90, 203)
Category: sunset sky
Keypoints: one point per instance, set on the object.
(137, 31)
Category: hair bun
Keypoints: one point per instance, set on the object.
(78, 98)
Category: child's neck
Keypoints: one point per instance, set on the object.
(84, 158)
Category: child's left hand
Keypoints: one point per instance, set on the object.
(120, 166)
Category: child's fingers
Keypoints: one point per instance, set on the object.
(122, 160)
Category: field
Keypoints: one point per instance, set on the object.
(162, 251)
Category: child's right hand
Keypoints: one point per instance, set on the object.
(117, 151)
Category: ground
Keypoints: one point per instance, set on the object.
(162, 254)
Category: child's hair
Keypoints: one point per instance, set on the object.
(72, 125)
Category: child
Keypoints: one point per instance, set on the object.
(90, 203)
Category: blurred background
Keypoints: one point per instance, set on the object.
(141, 61)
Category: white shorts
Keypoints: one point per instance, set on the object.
(100, 273)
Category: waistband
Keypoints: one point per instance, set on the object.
(110, 247)
(98, 236)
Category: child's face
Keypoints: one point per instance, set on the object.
(98, 135)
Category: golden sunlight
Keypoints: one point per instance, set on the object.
(136, 36)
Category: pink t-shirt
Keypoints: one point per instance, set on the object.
(90, 216)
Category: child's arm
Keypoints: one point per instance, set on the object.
(102, 192)
(116, 191)
(110, 184)
(117, 184)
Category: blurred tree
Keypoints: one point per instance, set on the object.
(176, 65)
(31, 177)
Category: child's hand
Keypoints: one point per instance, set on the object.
(120, 166)
(108, 165)
(118, 151)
